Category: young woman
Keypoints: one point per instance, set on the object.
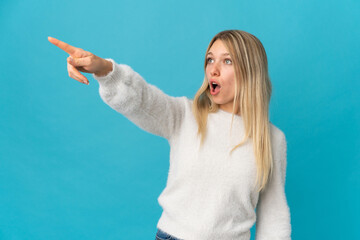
(227, 160)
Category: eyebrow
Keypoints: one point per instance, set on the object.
(224, 54)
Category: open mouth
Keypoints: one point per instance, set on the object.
(214, 88)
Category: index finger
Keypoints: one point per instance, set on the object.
(64, 46)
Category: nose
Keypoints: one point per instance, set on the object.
(214, 69)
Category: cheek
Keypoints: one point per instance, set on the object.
(207, 73)
(230, 87)
(230, 80)
(230, 75)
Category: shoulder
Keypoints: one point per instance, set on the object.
(188, 105)
(278, 141)
(276, 133)
(188, 101)
(279, 147)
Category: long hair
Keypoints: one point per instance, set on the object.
(252, 97)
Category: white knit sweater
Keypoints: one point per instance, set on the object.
(209, 195)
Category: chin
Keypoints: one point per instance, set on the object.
(218, 102)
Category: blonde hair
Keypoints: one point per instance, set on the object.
(252, 97)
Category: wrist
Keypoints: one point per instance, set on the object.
(106, 69)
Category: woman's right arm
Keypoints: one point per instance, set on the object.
(126, 91)
(144, 104)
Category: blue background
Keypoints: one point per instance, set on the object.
(73, 168)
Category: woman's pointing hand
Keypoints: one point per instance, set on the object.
(82, 61)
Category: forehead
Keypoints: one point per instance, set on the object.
(218, 47)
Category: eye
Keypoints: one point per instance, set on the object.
(209, 60)
(228, 61)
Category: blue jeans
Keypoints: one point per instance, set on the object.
(161, 235)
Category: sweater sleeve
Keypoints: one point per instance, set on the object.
(145, 105)
(273, 213)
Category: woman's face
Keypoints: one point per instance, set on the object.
(220, 75)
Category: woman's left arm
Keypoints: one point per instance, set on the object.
(273, 212)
